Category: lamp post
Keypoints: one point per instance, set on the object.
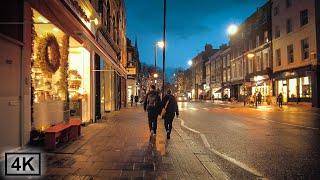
(164, 47)
(159, 44)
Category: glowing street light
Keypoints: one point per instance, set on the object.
(155, 75)
(160, 44)
(190, 62)
(232, 29)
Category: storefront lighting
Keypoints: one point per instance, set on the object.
(96, 21)
(55, 29)
(43, 20)
(258, 78)
(155, 75)
(250, 55)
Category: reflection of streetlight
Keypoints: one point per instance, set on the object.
(190, 62)
(232, 29)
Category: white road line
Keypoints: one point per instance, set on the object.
(206, 109)
(288, 124)
(224, 156)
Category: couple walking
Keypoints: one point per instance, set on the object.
(167, 108)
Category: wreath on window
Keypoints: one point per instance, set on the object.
(49, 54)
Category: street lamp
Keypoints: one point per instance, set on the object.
(232, 29)
(164, 45)
(155, 75)
(190, 62)
(159, 44)
(250, 55)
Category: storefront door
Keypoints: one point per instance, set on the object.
(9, 95)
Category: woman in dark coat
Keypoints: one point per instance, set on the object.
(169, 102)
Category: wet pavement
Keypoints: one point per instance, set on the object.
(266, 141)
(120, 147)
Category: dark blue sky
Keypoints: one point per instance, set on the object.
(190, 25)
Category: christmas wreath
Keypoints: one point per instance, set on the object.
(49, 54)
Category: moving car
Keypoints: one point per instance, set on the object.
(182, 98)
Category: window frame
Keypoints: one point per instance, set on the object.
(304, 20)
(290, 54)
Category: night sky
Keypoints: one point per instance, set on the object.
(190, 25)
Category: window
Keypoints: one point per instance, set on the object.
(304, 17)
(276, 10)
(224, 75)
(305, 48)
(228, 60)
(224, 62)
(266, 39)
(250, 67)
(258, 63)
(290, 53)
(265, 61)
(305, 87)
(228, 75)
(289, 25)
(278, 57)
(288, 3)
(277, 32)
(257, 41)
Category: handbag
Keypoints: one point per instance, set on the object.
(164, 110)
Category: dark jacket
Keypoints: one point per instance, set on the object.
(156, 109)
(172, 108)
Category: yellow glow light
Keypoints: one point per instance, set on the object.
(232, 29)
(96, 21)
(155, 75)
(250, 55)
(160, 44)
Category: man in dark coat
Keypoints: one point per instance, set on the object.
(171, 107)
(152, 104)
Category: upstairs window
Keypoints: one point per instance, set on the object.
(276, 10)
(289, 25)
(277, 32)
(288, 3)
(304, 17)
(305, 48)
(278, 57)
(290, 54)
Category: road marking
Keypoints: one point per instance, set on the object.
(223, 156)
(288, 124)
(195, 109)
(206, 109)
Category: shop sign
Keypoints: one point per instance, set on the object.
(289, 74)
(131, 71)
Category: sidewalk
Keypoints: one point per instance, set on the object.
(120, 147)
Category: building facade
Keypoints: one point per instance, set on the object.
(295, 51)
(199, 72)
(133, 68)
(67, 63)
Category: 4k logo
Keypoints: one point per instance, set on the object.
(22, 164)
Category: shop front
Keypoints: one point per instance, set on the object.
(60, 75)
(261, 84)
(216, 91)
(295, 85)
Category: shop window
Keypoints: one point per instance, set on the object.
(304, 17)
(293, 88)
(305, 87)
(305, 48)
(290, 54)
(278, 57)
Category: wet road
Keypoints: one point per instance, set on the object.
(266, 142)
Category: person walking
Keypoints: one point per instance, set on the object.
(280, 99)
(169, 108)
(131, 100)
(152, 104)
(259, 98)
(136, 99)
